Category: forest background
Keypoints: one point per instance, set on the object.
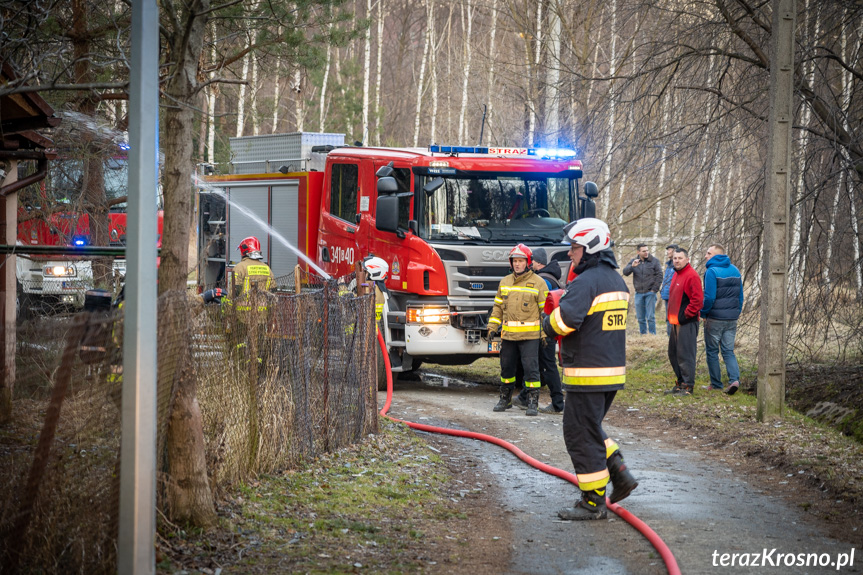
(665, 101)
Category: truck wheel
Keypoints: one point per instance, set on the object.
(22, 304)
(382, 371)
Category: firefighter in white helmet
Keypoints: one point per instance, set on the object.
(517, 314)
(376, 270)
(591, 318)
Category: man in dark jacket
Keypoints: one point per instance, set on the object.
(666, 282)
(646, 273)
(548, 373)
(591, 318)
(685, 299)
(723, 301)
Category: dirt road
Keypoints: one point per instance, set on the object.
(706, 510)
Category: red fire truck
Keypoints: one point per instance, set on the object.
(56, 216)
(444, 218)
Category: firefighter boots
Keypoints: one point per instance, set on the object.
(590, 507)
(532, 402)
(505, 401)
(621, 479)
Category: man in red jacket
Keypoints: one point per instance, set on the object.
(685, 299)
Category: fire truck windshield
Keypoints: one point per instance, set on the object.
(66, 181)
(498, 209)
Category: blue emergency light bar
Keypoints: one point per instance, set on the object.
(556, 153)
(458, 150)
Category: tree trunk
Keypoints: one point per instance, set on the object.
(241, 97)
(379, 73)
(299, 112)
(367, 71)
(93, 169)
(552, 94)
(490, 85)
(189, 497)
(322, 114)
(420, 83)
(609, 135)
(462, 126)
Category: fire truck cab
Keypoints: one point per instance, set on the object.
(443, 218)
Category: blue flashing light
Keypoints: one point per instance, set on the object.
(555, 153)
(124, 146)
(79, 241)
(544, 153)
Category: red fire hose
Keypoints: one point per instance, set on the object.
(641, 526)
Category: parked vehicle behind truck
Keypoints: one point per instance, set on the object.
(443, 218)
(58, 215)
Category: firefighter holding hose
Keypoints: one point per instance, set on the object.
(591, 318)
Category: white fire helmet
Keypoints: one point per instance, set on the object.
(376, 268)
(591, 233)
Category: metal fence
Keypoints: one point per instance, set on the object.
(275, 386)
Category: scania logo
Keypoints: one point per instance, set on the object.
(495, 255)
(476, 285)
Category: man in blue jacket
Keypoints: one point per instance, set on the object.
(723, 301)
(666, 282)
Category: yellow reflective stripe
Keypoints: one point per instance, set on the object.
(506, 289)
(610, 300)
(594, 371)
(591, 481)
(494, 320)
(507, 379)
(610, 447)
(532, 384)
(521, 323)
(606, 380)
(520, 329)
(557, 323)
(498, 300)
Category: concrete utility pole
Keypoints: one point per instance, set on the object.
(136, 539)
(771, 348)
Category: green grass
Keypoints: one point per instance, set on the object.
(341, 510)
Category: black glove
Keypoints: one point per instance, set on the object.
(213, 294)
(493, 328)
(546, 327)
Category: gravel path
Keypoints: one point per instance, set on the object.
(702, 507)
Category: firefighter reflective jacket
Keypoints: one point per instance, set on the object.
(592, 320)
(252, 279)
(518, 306)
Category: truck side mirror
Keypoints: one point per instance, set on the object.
(385, 171)
(387, 185)
(590, 190)
(387, 213)
(414, 227)
(433, 186)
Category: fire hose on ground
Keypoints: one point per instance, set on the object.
(649, 534)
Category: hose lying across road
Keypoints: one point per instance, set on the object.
(641, 526)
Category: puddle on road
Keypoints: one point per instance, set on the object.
(436, 380)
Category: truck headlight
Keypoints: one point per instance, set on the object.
(428, 315)
(59, 271)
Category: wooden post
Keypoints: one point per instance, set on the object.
(298, 282)
(8, 234)
(771, 348)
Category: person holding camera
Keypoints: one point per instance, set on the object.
(646, 273)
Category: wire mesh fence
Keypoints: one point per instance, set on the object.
(276, 384)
